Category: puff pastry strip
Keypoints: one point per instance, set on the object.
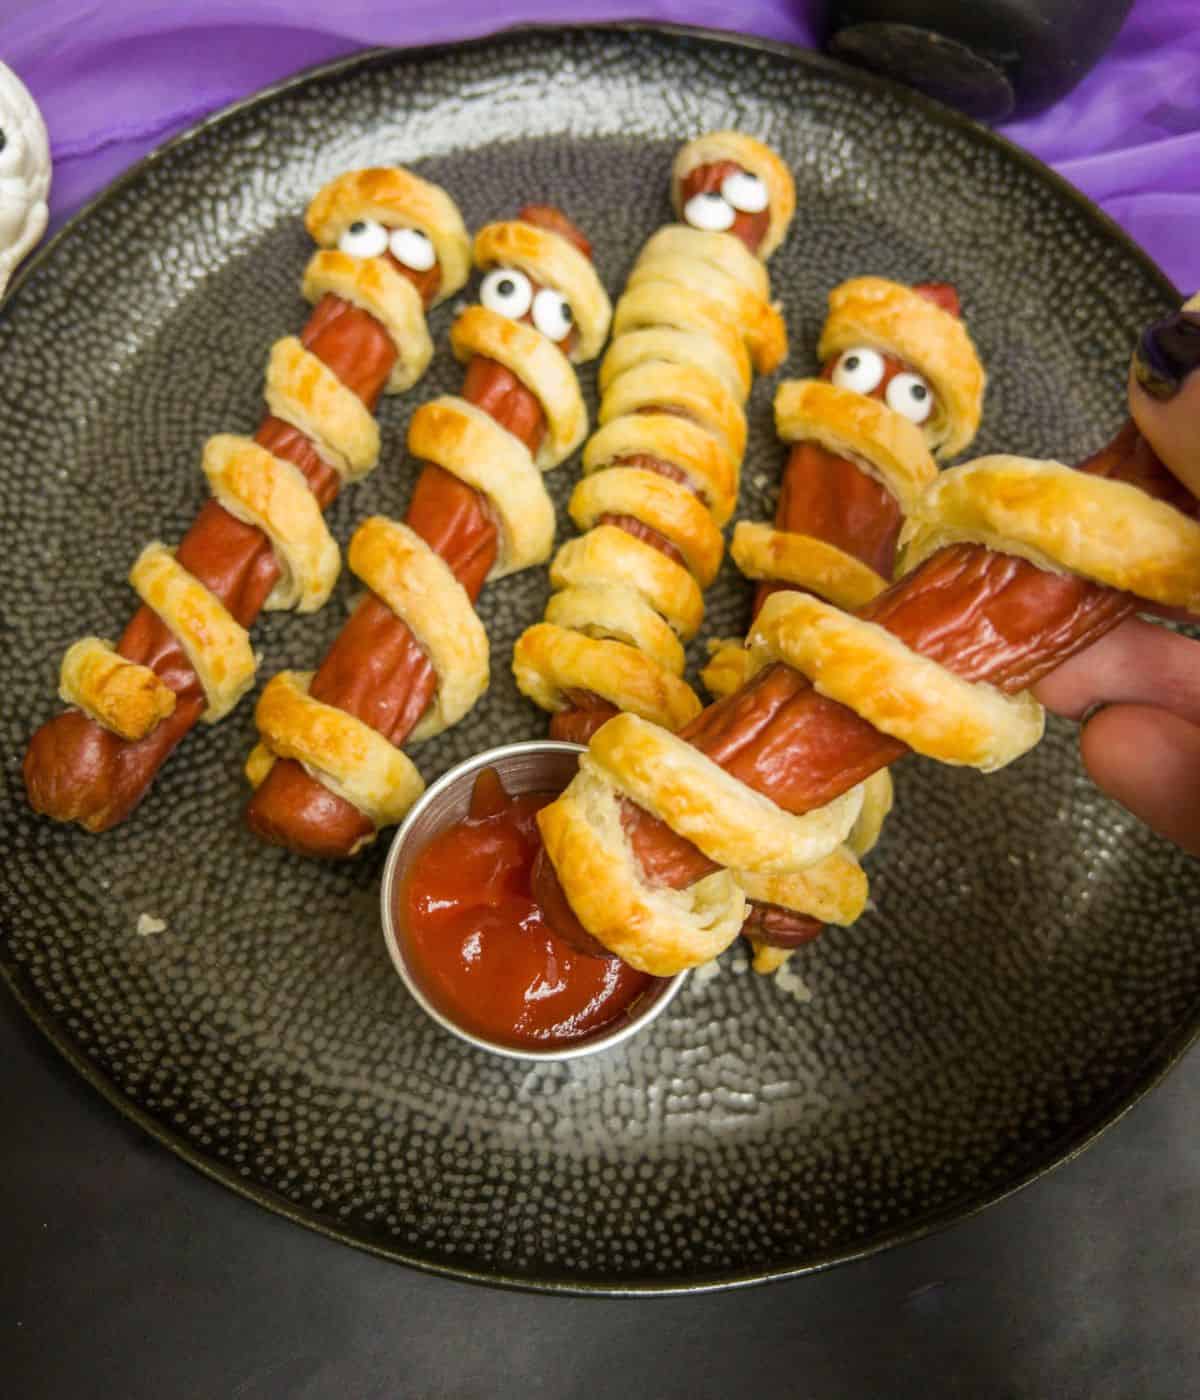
(751, 155)
(1064, 521)
(264, 490)
(471, 445)
(305, 392)
(554, 262)
(122, 696)
(375, 286)
(420, 588)
(349, 757)
(833, 890)
(649, 927)
(721, 816)
(899, 691)
(881, 442)
(538, 363)
(550, 660)
(216, 645)
(608, 552)
(621, 614)
(786, 556)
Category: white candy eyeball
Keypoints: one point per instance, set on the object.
(412, 248)
(552, 314)
(364, 239)
(909, 395)
(507, 291)
(745, 192)
(710, 211)
(859, 369)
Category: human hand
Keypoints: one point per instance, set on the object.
(1137, 691)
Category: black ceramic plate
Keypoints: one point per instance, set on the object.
(1031, 963)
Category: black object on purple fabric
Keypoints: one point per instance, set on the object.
(991, 59)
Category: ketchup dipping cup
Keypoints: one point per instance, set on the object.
(540, 765)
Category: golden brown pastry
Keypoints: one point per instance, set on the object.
(264, 490)
(554, 262)
(375, 286)
(1062, 520)
(349, 757)
(420, 588)
(899, 691)
(123, 697)
(216, 645)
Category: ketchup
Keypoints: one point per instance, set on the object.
(478, 945)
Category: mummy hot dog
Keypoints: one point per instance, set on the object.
(661, 472)
(390, 245)
(1018, 565)
(901, 382)
(414, 657)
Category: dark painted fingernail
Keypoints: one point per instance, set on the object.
(1167, 352)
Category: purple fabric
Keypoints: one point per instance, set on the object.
(115, 80)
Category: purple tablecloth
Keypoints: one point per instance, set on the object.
(115, 80)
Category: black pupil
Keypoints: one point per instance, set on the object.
(852, 362)
(506, 286)
(567, 314)
(713, 194)
(918, 391)
(358, 226)
(3, 139)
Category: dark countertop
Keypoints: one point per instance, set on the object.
(127, 1274)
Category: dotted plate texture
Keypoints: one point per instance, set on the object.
(1031, 960)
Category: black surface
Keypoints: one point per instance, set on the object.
(128, 1276)
(1044, 48)
(1033, 960)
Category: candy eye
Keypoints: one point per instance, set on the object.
(745, 192)
(364, 239)
(710, 211)
(412, 248)
(552, 314)
(909, 395)
(859, 369)
(507, 291)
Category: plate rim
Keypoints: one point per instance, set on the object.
(1063, 1150)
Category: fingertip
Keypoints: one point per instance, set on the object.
(1171, 425)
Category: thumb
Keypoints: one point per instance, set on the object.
(1148, 760)
(1164, 391)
